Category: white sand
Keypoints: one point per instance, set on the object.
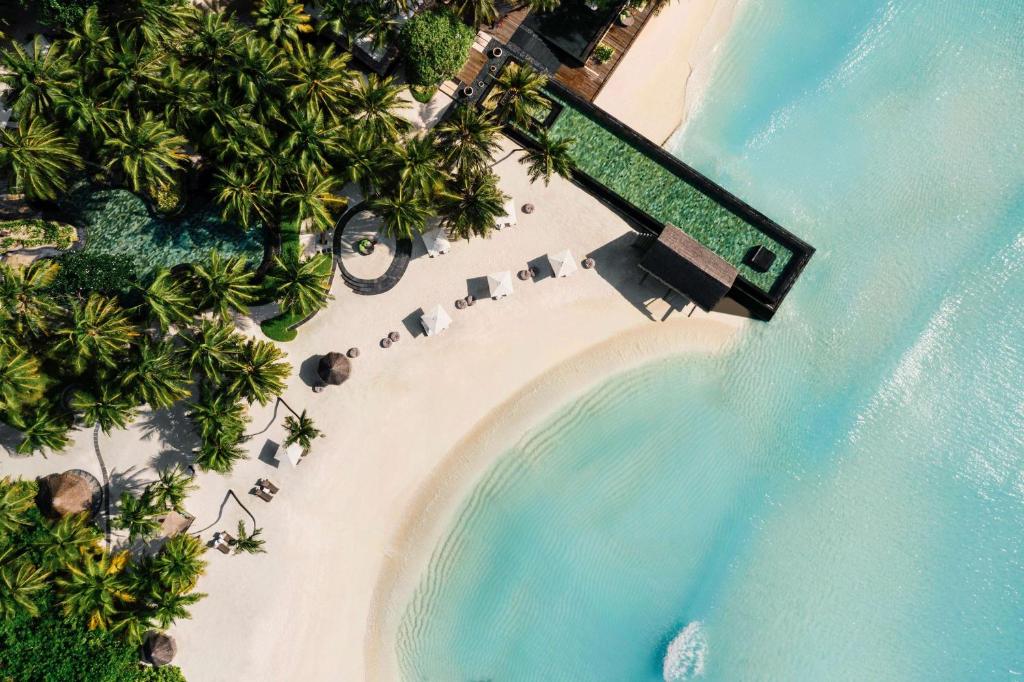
(407, 436)
(657, 83)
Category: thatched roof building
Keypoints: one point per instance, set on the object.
(71, 492)
(685, 265)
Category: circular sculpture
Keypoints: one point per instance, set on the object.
(460, 304)
(353, 352)
(385, 342)
(527, 208)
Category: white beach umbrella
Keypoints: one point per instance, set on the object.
(562, 263)
(500, 284)
(435, 321)
(436, 242)
(292, 453)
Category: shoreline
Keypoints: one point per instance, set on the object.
(660, 81)
(442, 495)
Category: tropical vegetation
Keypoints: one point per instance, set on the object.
(434, 45)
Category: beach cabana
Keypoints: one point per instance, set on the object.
(290, 453)
(435, 320)
(683, 264)
(334, 368)
(71, 492)
(159, 649)
(499, 284)
(436, 242)
(509, 219)
(174, 523)
(562, 263)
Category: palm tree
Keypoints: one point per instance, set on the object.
(250, 543)
(362, 158)
(210, 349)
(416, 164)
(373, 103)
(311, 140)
(24, 301)
(20, 379)
(170, 489)
(259, 372)
(20, 583)
(96, 588)
(97, 331)
(66, 541)
(312, 199)
(468, 139)
(223, 285)
(319, 80)
(516, 93)
(38, 158)
(244, 195)
(301, 286)
(156, 376)
(477, 12)
(179, 564)
(145, 152)
(88, 43)
(283, 21)
(107, 407)
(218, 415)
(256, 70)
(35, 76)
(83, 116)
(167, 300)
(547, 157)
(472, 204)
(301, 430)
(137, 516)
(219, 454)
(168, 606)
(543, 6)
(16, 498)
(42, 428)
(403, 210)
(131, 71)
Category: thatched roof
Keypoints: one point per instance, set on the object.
(687, 266)
(173, 523)
(159, 648)
(334, 368)
(71, 492)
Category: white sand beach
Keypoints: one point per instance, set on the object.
(662, 76)
(406, 437)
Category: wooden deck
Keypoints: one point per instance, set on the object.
(586, 81)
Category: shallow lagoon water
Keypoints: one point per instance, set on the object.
(841, 495)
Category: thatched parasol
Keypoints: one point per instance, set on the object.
(71, 492)
(159, 649)
(334, 368)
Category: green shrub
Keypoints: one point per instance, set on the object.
(64, 14)
(434, 46)
(280, 328)
(82, 272)
(27, 234)
(167, 198)
(603, 53)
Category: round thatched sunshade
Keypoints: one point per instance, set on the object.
(159, 648)
(334, 368)
(71, 492)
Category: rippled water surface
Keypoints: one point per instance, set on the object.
(841, 496)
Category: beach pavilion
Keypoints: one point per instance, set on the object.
(435, 321)
(562, 263)
(499, 284)
(686, 266)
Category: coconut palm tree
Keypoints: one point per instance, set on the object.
(259, 372)
(66, 541)
(82, 116)
(319, 80)
(516, 93)
(282, 21)
(373, 103)
(249, 543)
(158, 21)
(244, 195)
(477, 12)
(167, 300)
(403, 210)
(311, 140)
(255, 73)
(156, 375)
(36, 76)
(219, 454)
(131, 71)
(547, 157)
(468, 139)
(145, 152)
(138, 516)
(362, 158)
(472, 204)
(20, 379)
(301, 430)
(218, 415)
(311, 199)
(171, 488)
(210, 349)
(96, 331)
(16, 498)
(25, 304)
(223, 284)
(37, 158)
(416, 164)
(179, 564)
(95, 588)
(42, 428)
(20, 584)
(106, 406)
(168, 606)
(301, 286)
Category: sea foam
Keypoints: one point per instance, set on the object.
(685, 656)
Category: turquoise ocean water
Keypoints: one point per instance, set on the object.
(840, 496)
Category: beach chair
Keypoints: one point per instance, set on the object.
(222, 547)
(265, 482)
(258, 492)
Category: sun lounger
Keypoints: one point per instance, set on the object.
(266, 497)
(222, 548)
(265, 482)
